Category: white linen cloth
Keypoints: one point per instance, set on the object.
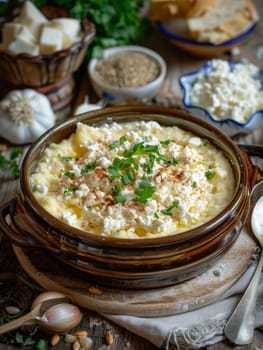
(194, 329)
(204, 326)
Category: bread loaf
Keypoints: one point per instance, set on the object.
(168, 9)
(223, 22)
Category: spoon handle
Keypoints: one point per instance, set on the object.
(7, 327)
(240, 326)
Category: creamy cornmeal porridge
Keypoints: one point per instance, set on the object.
(133, 180)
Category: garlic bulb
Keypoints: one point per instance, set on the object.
(60, 318)
(25, 115)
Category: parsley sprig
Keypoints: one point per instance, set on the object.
(209, 174)
(140, 149)
(121, 168)
(65, 158)
(168, 211)
(125, 168)
(70, 189)
(88, 168)
(144, 192)
(11, 163)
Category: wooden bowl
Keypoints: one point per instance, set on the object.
(131, 263)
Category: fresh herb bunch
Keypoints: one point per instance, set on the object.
(18, 337)
(117, 21)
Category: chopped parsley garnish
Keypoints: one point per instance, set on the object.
(209, 174)
(123, 163)
(88, 168)
(205, 142)
(65, 158)
(119, 199)
(116, 189)
(175, 161)
(125, 168)
(148, 167)
(144, 192)
(140, 149)
(164, 160)
(113, 145)
(122, 139)
(166, 142)
(168, 211)
(194, 184)
(127, 177)
(70, 189)
(69, 173)
(156, 216)
(115, 171)
(146, 177)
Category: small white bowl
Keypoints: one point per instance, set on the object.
(229, 126)
(115, 94)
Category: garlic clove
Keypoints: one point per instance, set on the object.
(49, 295)
(60, 318)
(12, 310)
(85, 342)
(86, 107)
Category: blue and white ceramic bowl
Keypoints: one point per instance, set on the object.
(175, 32)
(228, 125)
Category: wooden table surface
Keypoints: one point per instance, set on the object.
(13, 281)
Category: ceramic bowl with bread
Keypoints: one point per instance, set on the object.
(218, 93)
(208, 29)
(128, 205)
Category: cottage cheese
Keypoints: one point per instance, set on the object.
(137, 180)
(229, 93)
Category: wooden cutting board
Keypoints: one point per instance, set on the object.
(190, 295)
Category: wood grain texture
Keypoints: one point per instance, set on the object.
(178, 64)
(187, 296)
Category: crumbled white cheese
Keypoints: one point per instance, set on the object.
(229, 93)
(42, 188)
(69, 217)
(195, 141)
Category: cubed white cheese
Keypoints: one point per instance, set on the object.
(67, 41)
(31, 17)
(21, 45)
(29, 10)
(50, 40)
(10, 31)
(70, 26)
